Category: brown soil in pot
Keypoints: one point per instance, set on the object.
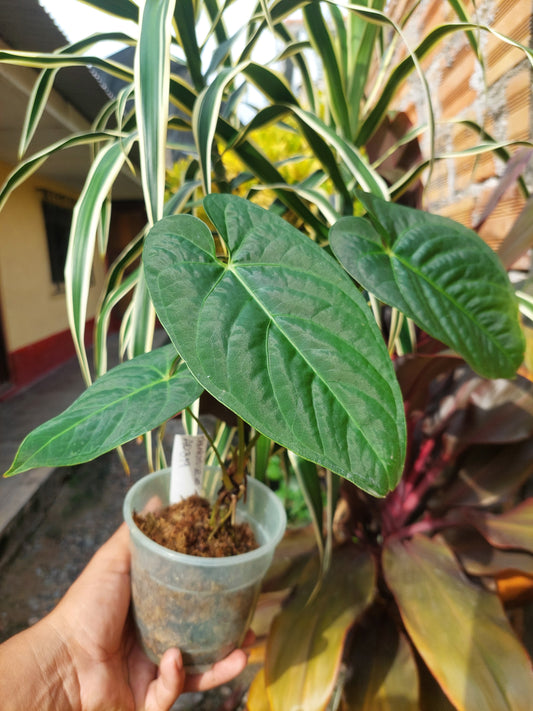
(186, 527)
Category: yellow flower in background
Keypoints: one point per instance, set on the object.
(285, 148)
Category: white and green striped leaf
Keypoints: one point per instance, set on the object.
(25, 169)
(38, 60)
(101, 330)
(39, 97)
(367, 178)
(185, 23)
(85, 221)
(43, 86)
(205, 118)
(405, 67)
(321, 39)
(142, 320)
(126, 9)
(152, 72)
(312, 196)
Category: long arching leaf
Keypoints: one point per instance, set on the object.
(312, 196)
(39, 60)
(103, 319)
(205, 118)
(366, 177)
(308, 87)
(279, 11)
(126, 9)
(321, 39)
(184, 97)
(362, 38)
(184, 19)
(283, 101)
(85, 220)
(152, 73)
(39, 97)
(43, 86)
(404, 68)
(309, 483)
(142, 321)
(23, 171)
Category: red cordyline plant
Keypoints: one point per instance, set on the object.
(413, 610)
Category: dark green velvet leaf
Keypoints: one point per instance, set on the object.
(129, 400)
(278, 333)
(440, 274)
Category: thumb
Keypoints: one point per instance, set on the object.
(163, 691)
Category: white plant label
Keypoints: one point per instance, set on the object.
(187, 466)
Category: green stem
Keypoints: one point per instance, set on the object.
(251, 443)
(241, 452)
(174, 366)
(160, 452)
(216, 521)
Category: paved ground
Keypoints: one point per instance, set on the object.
(51, 522)
(23, 498)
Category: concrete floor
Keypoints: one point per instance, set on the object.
(24, 497)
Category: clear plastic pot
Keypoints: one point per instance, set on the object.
(201, 605)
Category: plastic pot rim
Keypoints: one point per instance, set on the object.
(199, 561)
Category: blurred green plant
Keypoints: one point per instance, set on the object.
(282, 480)
(292, 319)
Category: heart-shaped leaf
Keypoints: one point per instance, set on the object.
(441, 275)
(131, 399)
(277, 332)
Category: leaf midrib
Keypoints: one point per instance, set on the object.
(148, 386)
(410, 268)
(234, 270)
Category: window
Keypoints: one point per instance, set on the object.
(57, 212)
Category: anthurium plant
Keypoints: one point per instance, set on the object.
(274, 328)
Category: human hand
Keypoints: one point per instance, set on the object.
(112, 669)
(87, 652)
